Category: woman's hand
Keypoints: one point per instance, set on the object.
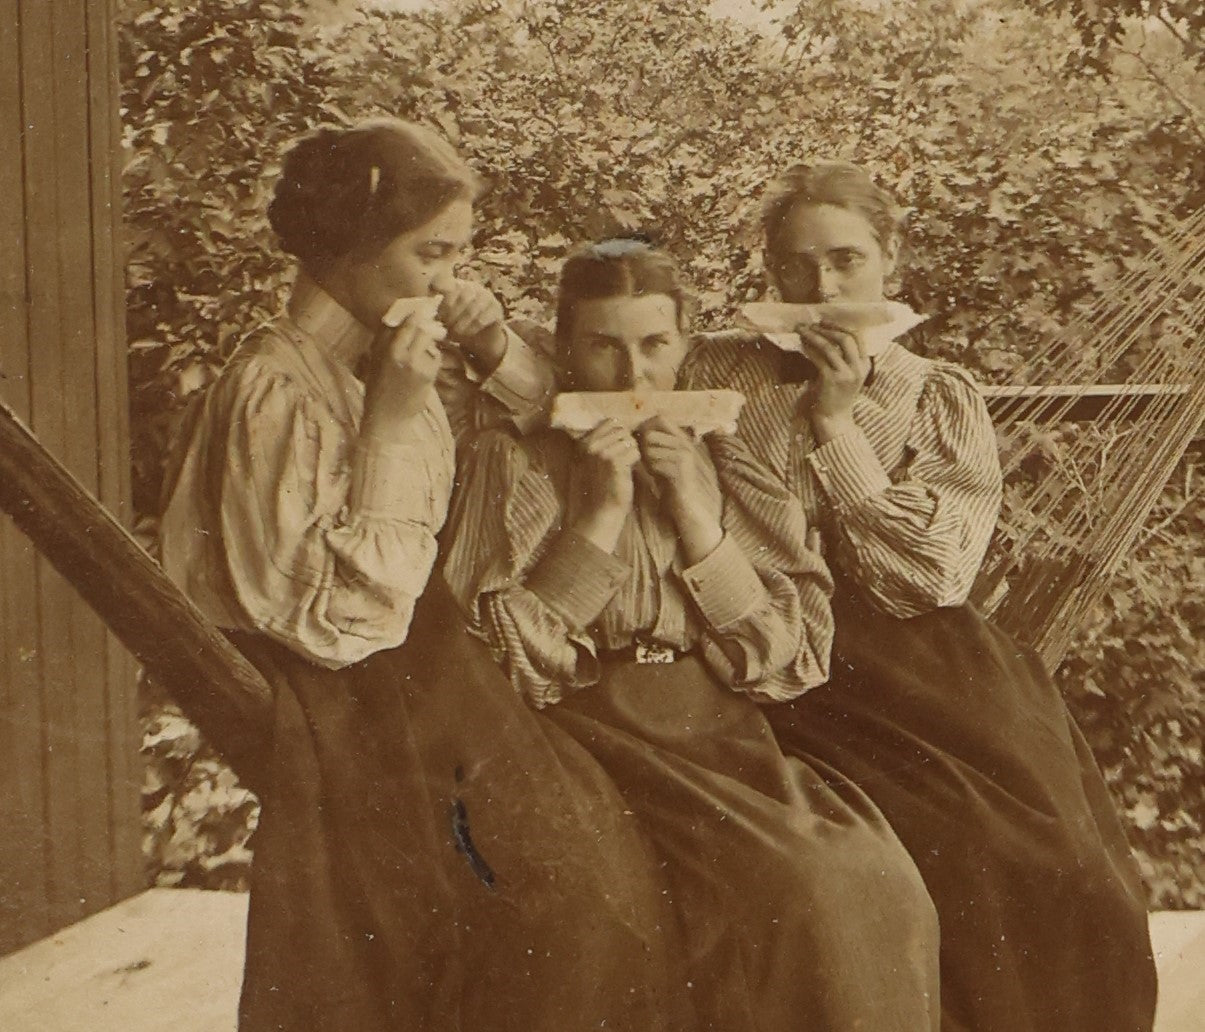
(405, 362)
(690, 489)
(842, 367)
(473, 317)
(608, 454)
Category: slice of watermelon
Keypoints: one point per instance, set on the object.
(878, 322)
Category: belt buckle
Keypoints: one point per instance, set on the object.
(653, 652)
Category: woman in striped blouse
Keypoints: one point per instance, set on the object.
(623, 582)
(954, 730)
(432, 854)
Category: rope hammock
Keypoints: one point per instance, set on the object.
(1067, 530)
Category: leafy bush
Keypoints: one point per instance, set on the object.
(197, 818)
(1135, 680)
(1033, 188)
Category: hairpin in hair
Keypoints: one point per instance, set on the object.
(374, 179)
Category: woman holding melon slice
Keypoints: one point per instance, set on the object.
(432, 854)
(953, 729)
(618, 575)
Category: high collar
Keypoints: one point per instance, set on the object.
(339, 333)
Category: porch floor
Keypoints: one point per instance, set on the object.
(172, 958)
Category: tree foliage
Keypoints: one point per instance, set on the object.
(1104, 24)
(1033, 185)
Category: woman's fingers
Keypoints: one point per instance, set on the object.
(413, 328)
(658, 428)
(468, 308)
(607, 429)
(621, 456)
(665, 448)
(612, 443)
(423, 353)
(670, 455)
(849, 343)
(414, 345)
(469, 314)
(824, 353)
(836, 352)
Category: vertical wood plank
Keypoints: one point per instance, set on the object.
(87, 784)
(127, 874)
(24, 902)
(70, 774)
(55, 647)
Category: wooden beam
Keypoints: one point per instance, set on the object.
(1072, 402)
(214, 684)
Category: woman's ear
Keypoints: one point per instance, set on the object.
(891, 253)
(891, 264)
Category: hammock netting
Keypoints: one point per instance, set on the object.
(1077, 495)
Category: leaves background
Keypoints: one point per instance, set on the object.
(1041, 154)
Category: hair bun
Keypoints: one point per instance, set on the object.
(342, 189)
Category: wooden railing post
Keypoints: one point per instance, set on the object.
(211, 680)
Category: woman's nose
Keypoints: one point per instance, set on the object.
(828, 284)
(644, 371)
(627, 370)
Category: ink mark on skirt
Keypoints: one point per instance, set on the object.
(464, 844)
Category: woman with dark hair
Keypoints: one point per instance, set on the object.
(432, 854)
(953, 729)
(623, 581)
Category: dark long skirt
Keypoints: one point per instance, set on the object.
(434, 855)
(964, 743)
(800, 908)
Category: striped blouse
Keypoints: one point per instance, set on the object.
(907, 503)
(548, 602)
(282, 519)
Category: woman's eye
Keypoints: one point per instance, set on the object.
(799, 267)
(601, 345)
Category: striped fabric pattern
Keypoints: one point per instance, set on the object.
(906, 505)
(548, 602)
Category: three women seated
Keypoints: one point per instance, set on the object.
(682, 732)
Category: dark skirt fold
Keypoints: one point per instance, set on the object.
(963, 742)
(434, 855)
(799, 907)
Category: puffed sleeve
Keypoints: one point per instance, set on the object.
(915, 543)
(765, 593)
(328, 542)
(517, 391)
(529, 586)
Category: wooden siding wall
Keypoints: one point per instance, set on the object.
(69, 770)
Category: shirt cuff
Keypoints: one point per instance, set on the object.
(388, 476)
(577, 579)
(523, 382)
(849, 470)
(724, 585)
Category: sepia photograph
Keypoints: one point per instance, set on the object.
(634, 515)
